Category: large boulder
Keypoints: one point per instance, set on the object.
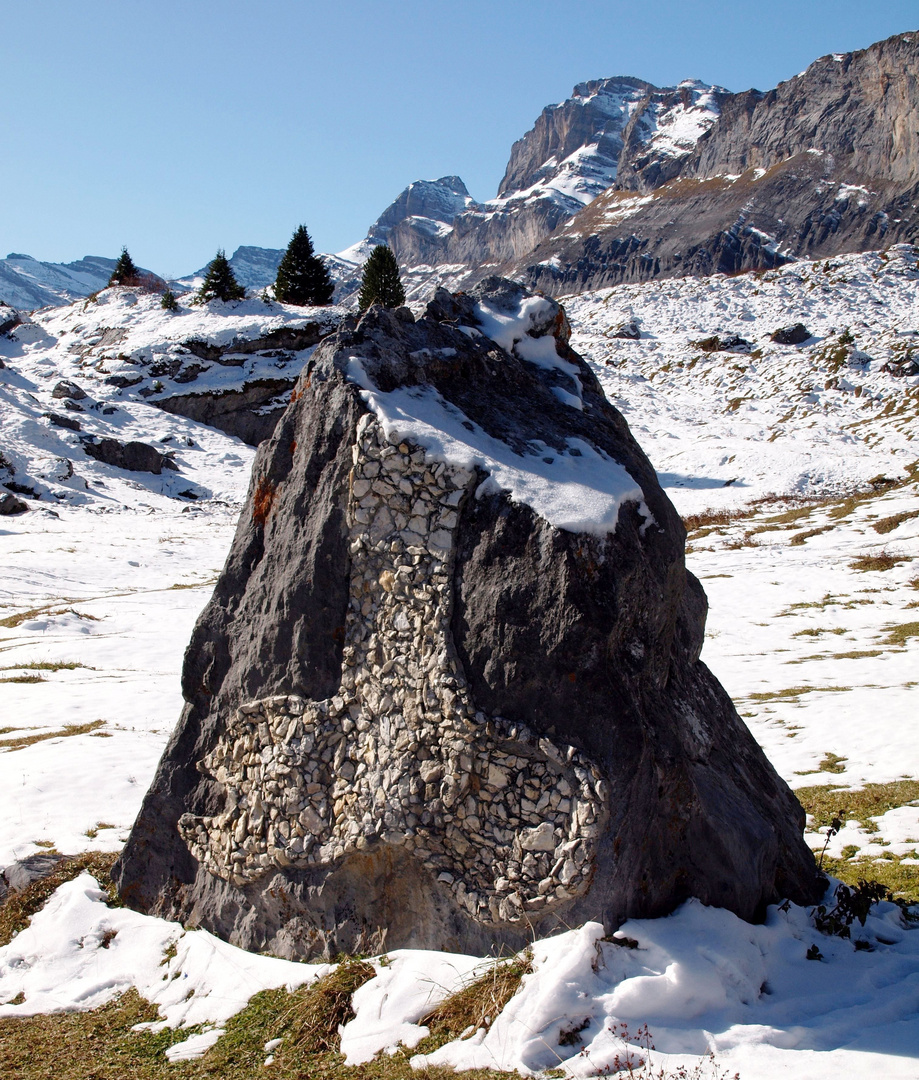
(447, 692)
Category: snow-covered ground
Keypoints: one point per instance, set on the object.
(812, 628)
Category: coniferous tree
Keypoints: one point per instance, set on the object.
(219, 282)
(302, 276)
(125, 272)
(381, 282)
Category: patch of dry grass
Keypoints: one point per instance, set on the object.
(793, 693)
(901, 633)
(826, 802)
(19, 907)
(100, 1045)
(800, 537)
(40, 736)
(888, 524)
(477, 1004)
(880, 561)
(12, 621)
(318, 1009)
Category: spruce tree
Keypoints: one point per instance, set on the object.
(302, 276)
(380, 282)
(219, 282)
(125, 272)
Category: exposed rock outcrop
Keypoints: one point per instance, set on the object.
(250, 413)
(10, 505)
(447, 692)
(133, 456)
(824, 164)
(9, 318)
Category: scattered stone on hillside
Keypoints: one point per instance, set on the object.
(447, 693)
(58, 469)
(735, 343)
(67, 389)
(628, 330)
(794, 334)
(9, 319)
(712, 344)
(18, 876)
(122, 382)
(904, 368)
(9, 504)
(63, 421)
(133, 456)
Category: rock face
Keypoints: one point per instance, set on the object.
(133, 456)
(423, 206)
(825, 163)
(447, 692)
(572, 154)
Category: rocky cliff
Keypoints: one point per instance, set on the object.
(447, 692)
(826, 163)
(626, 181)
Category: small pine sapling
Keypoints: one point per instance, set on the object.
(168, 301)
(125, 272)
(380, 283)
(219, 282)
(302, 277)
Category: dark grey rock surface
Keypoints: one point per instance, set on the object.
(577, 653)
(66, 388)
(9, 504)
(794, 334)
(133, 456)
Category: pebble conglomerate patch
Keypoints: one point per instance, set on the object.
(507, 820)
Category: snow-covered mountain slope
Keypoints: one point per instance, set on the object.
(27, 283)
(575, 148)
(116, 367)
(726, 427)
(812, 628)
(825, 163)
(441, 235)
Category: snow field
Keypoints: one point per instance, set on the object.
(812, 629)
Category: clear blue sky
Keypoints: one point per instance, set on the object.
(180, 126)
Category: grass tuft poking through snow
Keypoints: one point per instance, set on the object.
(319, 1010)
(474, 1007)
(19, 907)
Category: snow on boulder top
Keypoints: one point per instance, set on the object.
(573, 486)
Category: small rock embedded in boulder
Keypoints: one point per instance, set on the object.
(447, 693)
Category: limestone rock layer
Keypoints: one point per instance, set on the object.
(418, 713)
